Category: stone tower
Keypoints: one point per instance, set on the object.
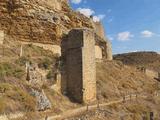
(80, 65)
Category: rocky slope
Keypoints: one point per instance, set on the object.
(39, 21)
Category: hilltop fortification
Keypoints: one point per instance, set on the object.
(45, 23)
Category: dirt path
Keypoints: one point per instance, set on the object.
(78, 111)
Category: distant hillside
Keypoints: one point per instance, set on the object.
(144, 59)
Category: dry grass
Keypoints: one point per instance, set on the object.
(115, 80)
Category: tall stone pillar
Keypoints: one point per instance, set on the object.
(1, 37)
(109, 50)
(80, 65)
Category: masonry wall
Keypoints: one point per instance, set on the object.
(98, 52)
(152, 73)
(104, 46)
(80, 65)
(74, 65)
(98, 27)
(89, 67)
(109, 51)
(1, 37)
(55, 49)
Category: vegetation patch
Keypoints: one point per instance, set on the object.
(9, 69)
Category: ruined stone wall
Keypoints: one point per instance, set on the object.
(109, 50)
(105, 47)
(152, 73)
(74, 65)
(98, 52)
(1, 37)
(55, 49)
(88, 66)
(80, 65)
(98, 27)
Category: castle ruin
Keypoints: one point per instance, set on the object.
(43, 23)
(80, 65)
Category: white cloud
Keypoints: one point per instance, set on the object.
(86, 11)
(110, 38)
(147, 33)
(89, 12)
(76, 1)
(98, 18)
(125, 36)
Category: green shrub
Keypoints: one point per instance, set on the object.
(50, 75)
(45, 63)
(22, 60)
(7, 69)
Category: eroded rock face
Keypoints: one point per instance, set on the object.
(39, 20)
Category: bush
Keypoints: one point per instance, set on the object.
(22, 61)
(7, 69)
(50, 75)
(45, 63)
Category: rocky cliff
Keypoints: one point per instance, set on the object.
(43, 21)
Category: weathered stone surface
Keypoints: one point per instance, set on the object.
(1, 37)
(43, 102)
(98, 52)
(109, 50)
(105, 46)
(98, 27)
(34, 77)
(56, 49)
(42, 21)
(80, 65)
